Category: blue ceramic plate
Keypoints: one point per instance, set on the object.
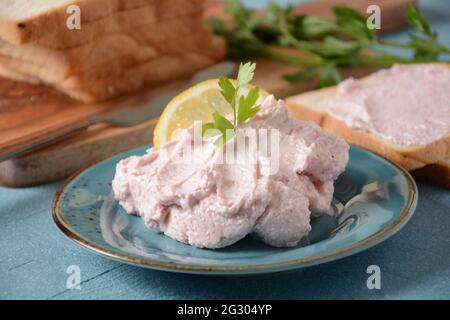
(373, 200)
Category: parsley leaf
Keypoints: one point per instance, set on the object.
(328, 76)
(301, 76)
(246, 105)
(353, 24)
(312, 27)
(228, 90)
(426, 49)
(333, 47)
(221, 123)
(246, 73)
(209, 130)
(243, 106)
(417, 20)
(225, 127)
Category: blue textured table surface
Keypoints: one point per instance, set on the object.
(415, 263)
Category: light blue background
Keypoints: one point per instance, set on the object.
(415, 263)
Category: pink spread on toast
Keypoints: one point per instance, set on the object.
(407, 104)
(212, 205)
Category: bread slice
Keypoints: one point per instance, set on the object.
(33, 20)
(109, 54)
(133, 21)
(153, 72)
(313, 106)
(124, 74)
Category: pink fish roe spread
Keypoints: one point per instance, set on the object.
(213, 204)
(407, 104)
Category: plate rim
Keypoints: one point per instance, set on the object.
(392, 228)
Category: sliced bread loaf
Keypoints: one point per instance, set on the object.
(111, 51)
(124, 73)
(160, 70)
(110, 56)
(108, 48)
(32, 20)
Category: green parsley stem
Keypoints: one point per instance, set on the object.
(278, 55)
(394, 44)
(445, 50)
(302, 45)
(408, 46)
(381, 61)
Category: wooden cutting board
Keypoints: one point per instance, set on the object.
(26, 109)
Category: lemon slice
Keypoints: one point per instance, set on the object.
(195, 104)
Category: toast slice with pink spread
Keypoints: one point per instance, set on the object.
(414, 134)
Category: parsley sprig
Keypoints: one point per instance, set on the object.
(325, 44)
(243, 106)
